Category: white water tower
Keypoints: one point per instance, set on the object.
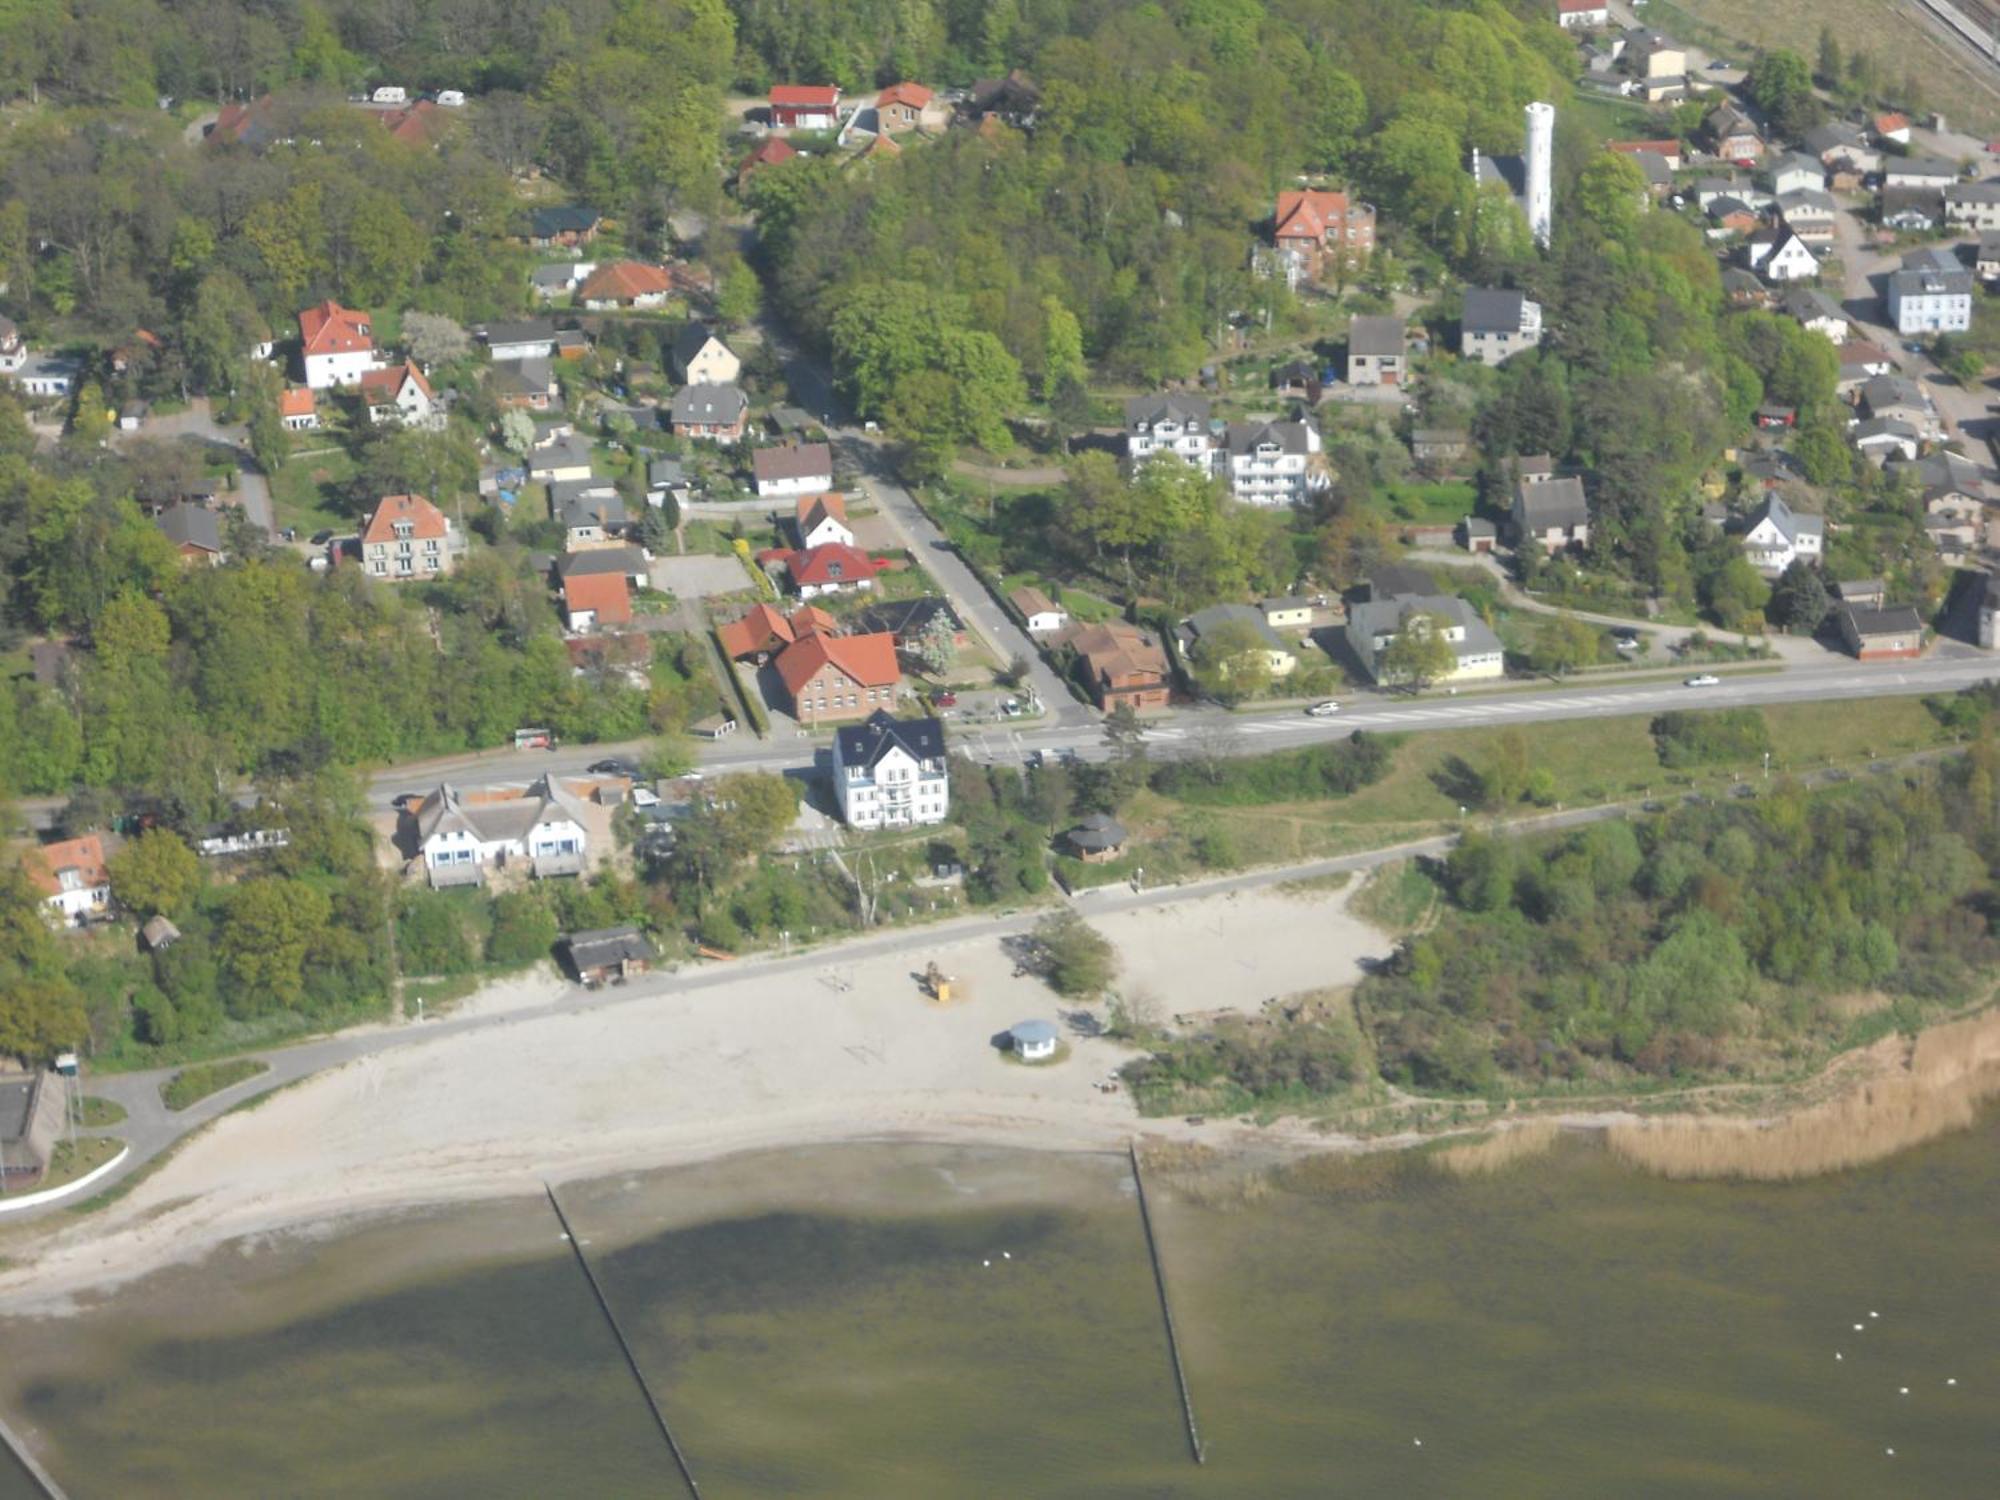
(1540, 166)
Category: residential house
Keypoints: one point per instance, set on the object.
(1860, 362)
(771, 152)
(830, 678)
(909, 106)
(1732, 134)
(337, 345)
(1119, 664)
(1953, 491)
(1809, 214)
(1288, 612)
(558, 279)
(591, 513)
(1839, 144)
(567, 225)
(908, 621)
(1550, 513)
(833, 568)
(1097, 839)
(1779, 255)
(1582, 15)
(1269, 463)
(1497, 325)
(1439, 447)
(195, 531)
(625, 284)
(1777, 536)
(1931, 293)
(1974, 203)
(1743, 288)
(408, 537)
(1796, 172)
(1911, 208)
(1871, 593)
(1732, 216)
(1040, 614)
(1919, 171)
(1278, 657)
(1732, 185)
(805, 106)
(1816, 311)
(1892, 127)
(699, 357)
(668, 476)
(253, 124)
(420, 123)
(13, 348)
(1376, 350)
(1318, 231)
(764, 631)
(1773, 415)
(821, 520)
(400, 394)
(568, 457)
(1986, 259)
(1657, 170)
(609, 955)
(1012, 100)
(1656, 62)
(593, 600)
(891, 773)
(710, 413)
(1667, 149)
(522, 338)
(1891, 633)
(298, 408)
(458, 836)
(528, 384)
(1174, 424)
(1878, 438)
(793, 469)
(1374, 624)
(73, 878)
(1897, 397)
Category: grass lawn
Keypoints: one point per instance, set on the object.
(73, 1159)
(1443, 503)
(307, 493)
(191, 1085)
(97, 1113)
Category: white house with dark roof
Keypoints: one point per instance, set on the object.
(1796, 172)
(1551, 513)
(1919, 171)
(1931, 293)
(792, 469)
(1170, 423)
(1497, 325)
(1777, 536)
(458, 837)
(1372, 626)
(1815, 311)
(1269, 463)
(1779, 254)
(700, 357)
(523, 338)
(1974, 203)
(891, 773)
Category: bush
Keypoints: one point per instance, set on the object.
(1077, 960)
(1321, 771)
(1685, 738)
(524, 929)
(430, 934)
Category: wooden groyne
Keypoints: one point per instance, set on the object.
(1166, 1309)
(624, 1348)
(36, 1472)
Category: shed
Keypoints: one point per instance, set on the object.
(1033, 1041)
(159, 933)
(609, 953)
(1097, 839)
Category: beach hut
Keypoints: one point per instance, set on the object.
(1033, 1041)
(1097, 839)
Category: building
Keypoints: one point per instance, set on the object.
(1550, 513)
(593, 600)
(608, 955)
(298, 408)
(1780, 255)
(710, 413)
(336, 345)
(699, 357)
(13, 348)
(1887, 633)
(1439, 447)
(1288, 612)
(568, 225)
(1119, 664)
(625, 284)
(459, 837)
(891, 773)
(908, 106)
(591, 513)
(831, 678)
(1013, 100)
(771, 152)
(1582, 15)
(1279, 658)
(1898, 398)
(559, 278)
(1841, 146)
(763, 631)
(1986, 258)
(1931, 293)
(1892, 127)
(1809, 214)
(1174, 424)
(1496, 325)
(910, 620)
(1919, 171)
(1815, 311)
(1318, 231)
(1376, 350)
(399, 394)
(529, 384)
(668, 476)
(195, 531)
(1733, 135)
(1040, 614)
(1878, 438)
(1374, 624)
(1777, 536)
(1527, 178)
(1796, 172)
(1033, 1041)
(1269, 463)
(793, 469)
(33, 1113)
(1973, 203)
(48, 376)
(833, 568)
(522, 338)
(565, 457)
(821, 521)
(805, 106)
(73, 877)
(408, 537)
(1097, 840)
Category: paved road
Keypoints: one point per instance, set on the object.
(197, 421)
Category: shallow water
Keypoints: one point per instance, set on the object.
(824, 1323)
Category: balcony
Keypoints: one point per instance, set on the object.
(447, 877)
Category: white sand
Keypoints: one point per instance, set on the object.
(850, 1053)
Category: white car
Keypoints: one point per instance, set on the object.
(645, 797)
(1705, 679)
(1324, 710)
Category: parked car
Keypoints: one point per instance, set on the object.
(946, 700)
(1323, 710)
(615, 766)
(1703, 679)
(645, 797)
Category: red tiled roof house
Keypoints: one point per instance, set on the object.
(805, 106)
(837, 677)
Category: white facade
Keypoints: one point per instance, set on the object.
(458, 838)
(1269, 462)
(345, 367)
(1047, 621)
(1792, 260)
(78, 900)
(779, 487)
(898, 791)
(1166, 424)
(1582, 19)
(46, 375)
(826, 530)
(1781, 537)
(1540, 161)
(1929, 305)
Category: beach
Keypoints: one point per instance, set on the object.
(852, 1052)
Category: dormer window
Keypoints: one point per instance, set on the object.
(404, 528)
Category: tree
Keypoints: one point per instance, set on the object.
(269, 928)
(1062, 348)
(1800, 599)
(524, 929)
(270, 444)
(155, 872)
(1232, 661)
(1421, 652)
(1075, 958)
(434, 339)
(1831, 69)
(517, 431)
(739, 295)
(1611, 193)
(935, 648)
(1564, 644)
(1781, 86)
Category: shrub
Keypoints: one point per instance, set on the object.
(1685, 738)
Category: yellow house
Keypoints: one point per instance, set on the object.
(1277, 655)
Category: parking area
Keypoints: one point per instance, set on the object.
(699, 576)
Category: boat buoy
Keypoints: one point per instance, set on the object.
(1004, 1255)
(1951, 1380)
(1858, 1327)
(1836, 1354)
(1903, 1390)
(1874, 1314)
(986, 1262)
(1418, 1441)
(1890, 1451)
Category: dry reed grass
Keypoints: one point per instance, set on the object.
(1935, 1086)
(1500, 1150)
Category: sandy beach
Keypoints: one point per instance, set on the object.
(851, 1052)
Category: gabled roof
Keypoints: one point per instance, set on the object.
(769, 153)
(869, 660)
(709, 405)
(805, 95)
(1308, 213)
(810, 510)
(385, 385)
(497, 819)
(425, 519)
(1809, 305)
(1150, 411)
(691, 340)
(763, 629)
(1490, 310)
(912, 95)
(1378, 336)
(835, 562)
(1288, 437)
(606, 595)
(865, 744)
(625, 281)
(297, 401)
(608, 945)
(45, 863)
(1884, 391)
(906, 619)
(626, 562)
(1552, 502)
(1113, 648)
(792, 461)
(191, 526)
(567, 218)
(329, 328)
(1790, 524)
(1931, 168)
(519, 330)
(1890, 619)
(1207, 621)
(1030, 600)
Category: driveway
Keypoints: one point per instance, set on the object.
(198, 422)
(699, 576)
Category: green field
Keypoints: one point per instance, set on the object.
(308, 493)
(1444, 503)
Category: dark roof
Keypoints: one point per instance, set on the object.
(866, 743)
(1166, 407)
(1890, 619)
(1392, 579)
(1097, 831)
(669, 473)
(1553, 502)
(1377, 336)
(570, 218)
(624, 560)
(1489, 310)
(709, 404)
(792, 461)
(904, 618)
(523, 331)
(608, 945)
(191, 526)
(689, 342)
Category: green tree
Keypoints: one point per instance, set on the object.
(270, 928)
(1565, 644)
(1077, 960)
(1800, 599)
(1232, 662)
(517, 431)
(1611, 194)
(155, 872)
(1062, 348)
(270, 444)
(1421, 651)
(739, 295)
(1831, 71)
(935, 648)
(1781, 86)
(524, 929)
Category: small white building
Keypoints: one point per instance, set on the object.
(891, 773)
(336, 345)
(72, 878)
(821, 521)
(1932, 293)
(1497, 325)
(1033, 1041)
(523, 338)
(1778, 536)
(1041, 614)
(1780, 255)
(1174, 424)
(459, 839)
(390, 93)
(793, 469)
(699, 357)
(47, 375)
(1582, 15)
